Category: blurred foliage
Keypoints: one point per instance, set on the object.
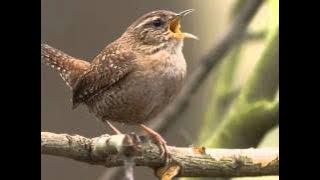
(241, 117)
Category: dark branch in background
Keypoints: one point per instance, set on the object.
(111, 151)
(233, 35)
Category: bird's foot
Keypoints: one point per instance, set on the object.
(159, 141)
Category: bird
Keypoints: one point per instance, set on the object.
(133, 78)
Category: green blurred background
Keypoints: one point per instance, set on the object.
(236, 107)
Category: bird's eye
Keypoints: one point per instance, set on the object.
(157, 23)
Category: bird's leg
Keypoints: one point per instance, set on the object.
(159, 140)
(114, 129)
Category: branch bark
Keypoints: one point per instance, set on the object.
(110, 151)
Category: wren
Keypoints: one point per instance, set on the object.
(135, 77)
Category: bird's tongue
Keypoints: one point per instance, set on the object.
(175, 25)
(175, 28)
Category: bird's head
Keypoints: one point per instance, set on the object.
(159, 28)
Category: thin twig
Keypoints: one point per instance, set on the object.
(128, 168)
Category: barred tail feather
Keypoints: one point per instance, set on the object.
(69, 67)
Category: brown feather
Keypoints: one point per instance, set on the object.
(106, 69)
(69, 67)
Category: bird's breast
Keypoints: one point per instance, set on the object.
(163, 78)
(145, 92)
(165, 64)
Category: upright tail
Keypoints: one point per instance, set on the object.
(69, 67)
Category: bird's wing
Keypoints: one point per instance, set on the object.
(69, 67)
(108, 68)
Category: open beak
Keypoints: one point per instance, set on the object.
(175, 26)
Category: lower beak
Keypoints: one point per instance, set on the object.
(189, 35)
(175, 26)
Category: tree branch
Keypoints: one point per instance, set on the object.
(110, 151)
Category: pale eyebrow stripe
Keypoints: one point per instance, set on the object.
(147, 20)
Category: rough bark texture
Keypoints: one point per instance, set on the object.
(111, 151)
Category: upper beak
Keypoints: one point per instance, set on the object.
(175, 25)
(185, 12)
